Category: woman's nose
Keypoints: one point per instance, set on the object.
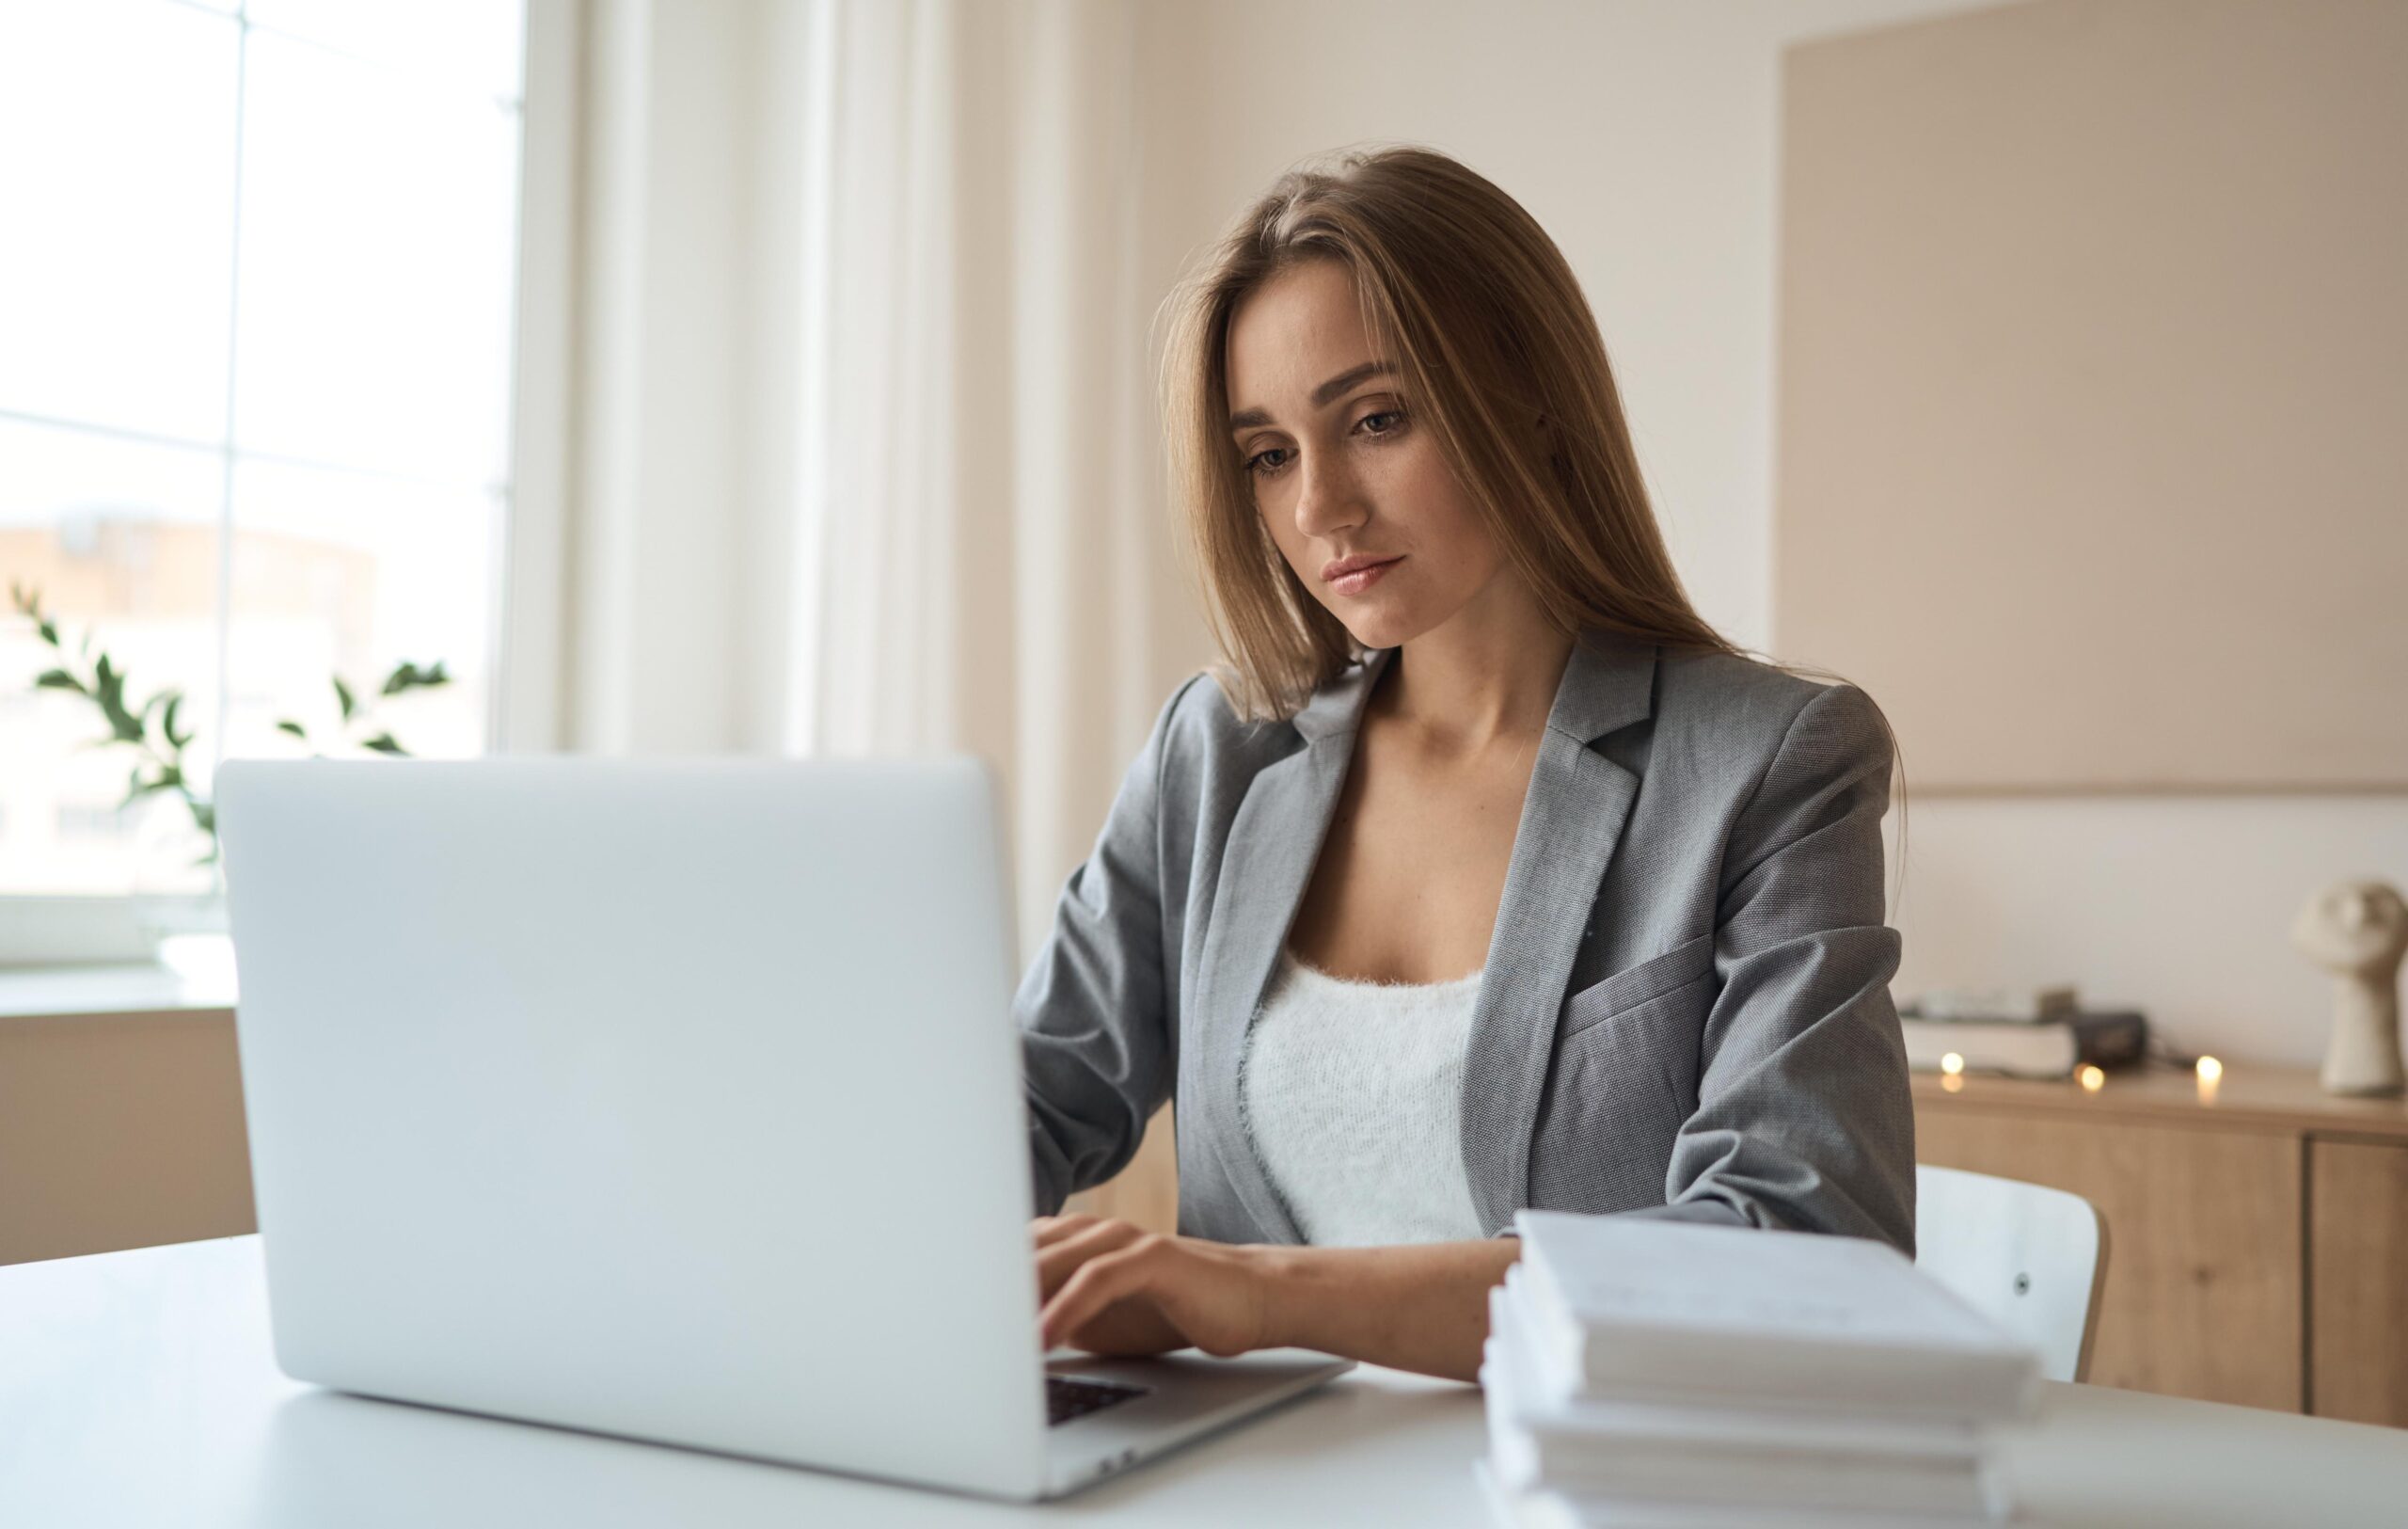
(1325, 498)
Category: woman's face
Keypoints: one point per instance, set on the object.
(1352, 487)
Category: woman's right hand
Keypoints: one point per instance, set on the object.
(1150, 1266)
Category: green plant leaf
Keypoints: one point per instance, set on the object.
(108, 689)
(343, 698)
(384, 744)
(60, 679)
(167, 722)
(409, 676)
(170, 778)
(286, 724)
(156, 700)
(28, 604)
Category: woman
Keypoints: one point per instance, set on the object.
(1485, 874)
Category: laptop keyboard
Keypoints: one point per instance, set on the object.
(1067, 1399)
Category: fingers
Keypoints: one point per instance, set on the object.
(1063, 1257)
(1047, 1229)
(1096, 1285)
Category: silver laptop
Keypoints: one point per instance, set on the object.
(676, 1100)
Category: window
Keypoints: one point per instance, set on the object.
(255, 308)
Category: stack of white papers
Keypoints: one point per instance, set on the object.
(1645, 1374)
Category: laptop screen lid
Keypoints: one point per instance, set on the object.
(673, 1099)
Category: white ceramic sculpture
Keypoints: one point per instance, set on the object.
(2358, 930)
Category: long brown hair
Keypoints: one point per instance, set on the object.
(1497, 348)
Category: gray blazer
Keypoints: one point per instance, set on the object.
(1685, 1010)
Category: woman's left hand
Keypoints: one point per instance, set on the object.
(1110, 1287)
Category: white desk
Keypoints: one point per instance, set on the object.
(137, 1389)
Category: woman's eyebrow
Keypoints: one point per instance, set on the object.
(1247, 419)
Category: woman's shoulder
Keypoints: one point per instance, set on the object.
(1201, 750)
(1735, 698)
(1201, 721)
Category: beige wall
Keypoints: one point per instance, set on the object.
(2093, 366)
(1644, 135)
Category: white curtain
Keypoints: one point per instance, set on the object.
(979, 529)
(866, 456)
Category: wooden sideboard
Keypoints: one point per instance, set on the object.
(120, 1129)
(2257, 1231)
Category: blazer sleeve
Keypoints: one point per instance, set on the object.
(1098, 1030)
(1805, 1117)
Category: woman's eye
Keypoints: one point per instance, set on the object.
(1260, 465)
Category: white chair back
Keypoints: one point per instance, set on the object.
(2031, 1259)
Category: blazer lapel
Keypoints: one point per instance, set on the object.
(1572, 817)
(1274, 843)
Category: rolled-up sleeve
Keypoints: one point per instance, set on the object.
(1804, 1118)
(1098, 1031)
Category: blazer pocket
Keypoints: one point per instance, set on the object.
(1632, 986)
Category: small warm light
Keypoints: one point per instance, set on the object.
(1952, 1064)
(2210, 1069)
(1951, 1082)
(2092, 1079)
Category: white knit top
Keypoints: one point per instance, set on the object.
(1351, 1095)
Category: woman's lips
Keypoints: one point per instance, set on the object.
(1353, 575)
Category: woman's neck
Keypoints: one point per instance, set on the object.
(1487, 673)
